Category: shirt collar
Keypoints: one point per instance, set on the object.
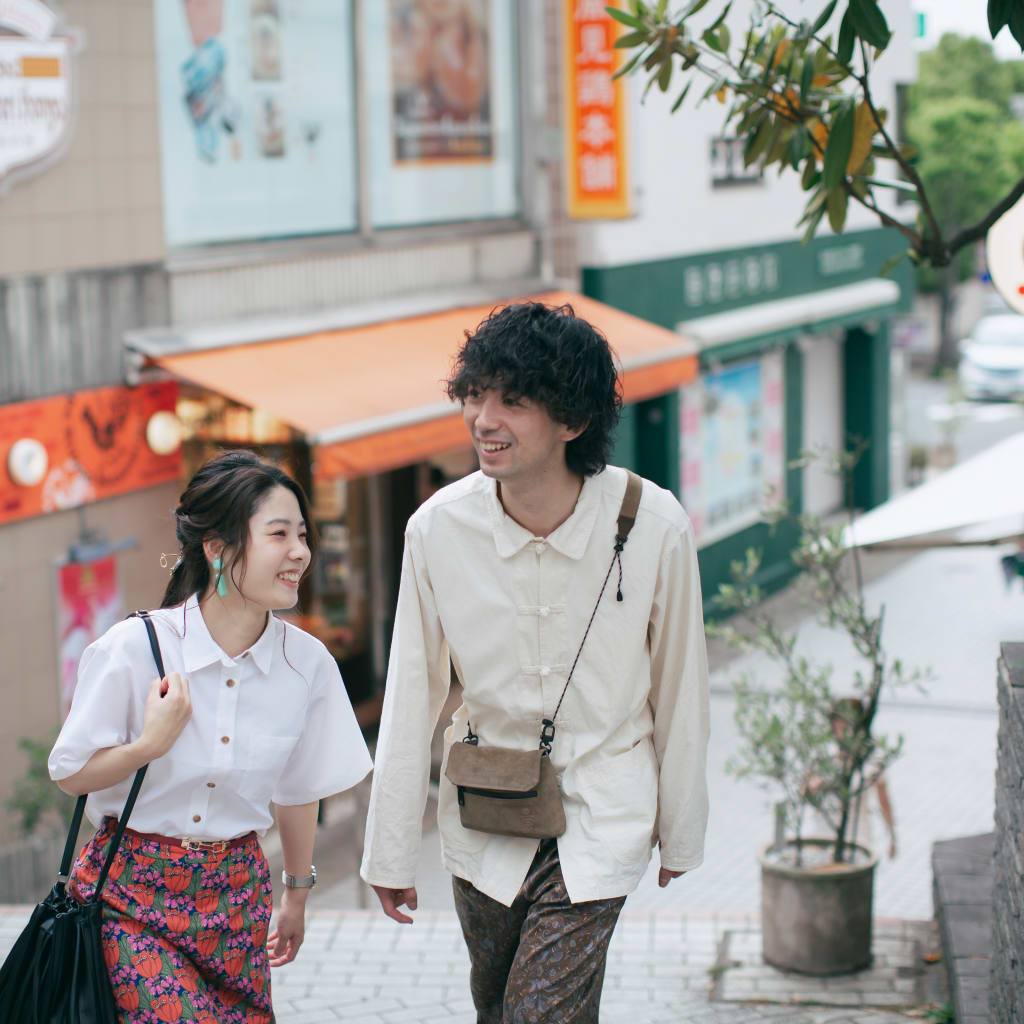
(199, 649)
(570, 538)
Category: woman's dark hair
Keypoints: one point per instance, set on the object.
(218, 502)
(551, 356)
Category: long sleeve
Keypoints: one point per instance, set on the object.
(417, 684)
(679, 701)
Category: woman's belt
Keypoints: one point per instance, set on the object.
(187, 842)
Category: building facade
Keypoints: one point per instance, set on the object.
(266, 224)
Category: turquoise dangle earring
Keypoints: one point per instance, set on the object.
(222, 587)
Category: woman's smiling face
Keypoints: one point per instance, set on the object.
(277, 554)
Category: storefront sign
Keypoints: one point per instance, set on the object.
(89, 602)
(597, 178)
(732, 445)
(37, 89)
(257, 118)
(441, 81)
(95, 444)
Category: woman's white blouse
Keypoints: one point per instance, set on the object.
(274, 724)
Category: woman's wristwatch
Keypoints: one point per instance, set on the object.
(300, 883)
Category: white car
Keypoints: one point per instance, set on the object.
(992, 358)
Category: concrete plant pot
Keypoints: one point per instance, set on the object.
(817, 920)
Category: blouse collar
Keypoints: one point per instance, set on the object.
(199, 649)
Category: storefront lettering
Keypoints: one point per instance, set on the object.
(36, 89)
(706, 284)
(841, 259)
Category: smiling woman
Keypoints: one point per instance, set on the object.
(251, 711)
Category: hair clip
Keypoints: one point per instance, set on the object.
(164, 557)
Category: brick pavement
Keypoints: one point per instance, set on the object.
(361, 968)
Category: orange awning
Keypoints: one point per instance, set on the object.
(371, 398)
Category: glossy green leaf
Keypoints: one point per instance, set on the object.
(661, 9)
(694, 7)
(869, 22)
(806, 79)
(812, 225)
(632, 39)
(627, 19)
(810, 177)
(798, 146)
(826, 13)
(712, 39)
(682, 96)
(665, 72)
(839, 144)
(847, 38)
(721, 18)
(757, 142)
(999, 12)
(892, 263)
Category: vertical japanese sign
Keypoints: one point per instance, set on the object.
(88, 604)
(597, 179)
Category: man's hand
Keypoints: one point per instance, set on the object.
(665, 876)
(392, 899)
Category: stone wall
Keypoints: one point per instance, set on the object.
(1007, 982)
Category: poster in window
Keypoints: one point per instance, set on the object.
(257, 119)
(441, 80)
(89, 602)
(732, 445)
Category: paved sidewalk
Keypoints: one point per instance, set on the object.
(359, 967)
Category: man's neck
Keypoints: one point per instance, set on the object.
(543, 503)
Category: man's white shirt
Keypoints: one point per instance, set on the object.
(509, 610)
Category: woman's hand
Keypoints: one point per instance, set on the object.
(283, 944)
(168, 709)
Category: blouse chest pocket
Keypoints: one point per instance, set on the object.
(266, 754)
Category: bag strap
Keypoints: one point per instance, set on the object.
(76, 821)
(627, 517)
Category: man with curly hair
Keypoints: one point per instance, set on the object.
(500, 577)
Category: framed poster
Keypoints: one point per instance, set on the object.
(732, 445)
(257, 118)
(89, 602)
(442, 82)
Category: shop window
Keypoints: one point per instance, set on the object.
(441, 86)
(732, 445)
(257, 118)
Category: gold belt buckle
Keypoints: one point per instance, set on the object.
(215, 846)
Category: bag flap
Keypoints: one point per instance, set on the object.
(510, 771)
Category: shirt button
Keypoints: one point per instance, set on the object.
(544, 670)
(225, 739)
(212, 785)
(544, 611)
(231, 682)
(197, 817)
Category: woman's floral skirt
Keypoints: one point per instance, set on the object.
(184, 931)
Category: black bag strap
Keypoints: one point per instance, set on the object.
(627, 517)
(624, 523)
(129, 804)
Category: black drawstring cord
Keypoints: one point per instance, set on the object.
(619, 544)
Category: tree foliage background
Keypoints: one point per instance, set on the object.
(797, 89)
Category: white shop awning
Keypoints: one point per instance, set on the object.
(979, 501)
(806, 311)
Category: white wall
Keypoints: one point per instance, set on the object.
(676, 211)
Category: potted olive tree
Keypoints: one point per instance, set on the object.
(812, 741)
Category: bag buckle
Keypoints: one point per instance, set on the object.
(204, 846)
(547, 736)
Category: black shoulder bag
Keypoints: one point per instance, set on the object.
(55, 972)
